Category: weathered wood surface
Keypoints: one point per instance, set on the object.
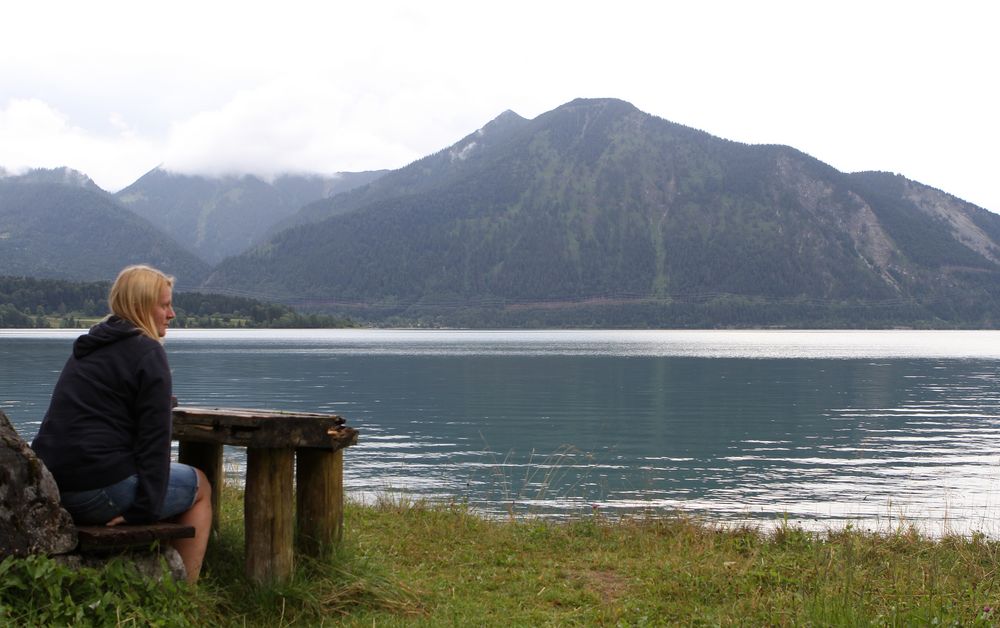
(262, 428)
(267, 512)
(276, 508)
(208, 458)
(102, 537)
(319, 498)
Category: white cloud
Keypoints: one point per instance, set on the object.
(303, 124)
(283, 126)
(258, 87)
(34, 134)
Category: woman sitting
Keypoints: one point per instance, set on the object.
(106, 435)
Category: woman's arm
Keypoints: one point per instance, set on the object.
(152, 416)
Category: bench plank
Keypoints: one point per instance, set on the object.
(100, 537)
(262, 428)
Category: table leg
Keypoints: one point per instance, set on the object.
(208, 458)
(268, 514)
(319, 501)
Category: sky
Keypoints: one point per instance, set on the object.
(116, 88)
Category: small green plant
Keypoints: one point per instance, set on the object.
(542, 475)
(39, 591)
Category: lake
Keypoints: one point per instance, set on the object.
(818, 428)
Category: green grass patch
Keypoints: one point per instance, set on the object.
(420, 564)
(40, 591)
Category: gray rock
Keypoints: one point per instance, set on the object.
(33, 522)
(146, 562)
(31, 519)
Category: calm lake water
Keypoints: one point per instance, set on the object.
(817, 428)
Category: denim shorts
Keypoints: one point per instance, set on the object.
(101, 505)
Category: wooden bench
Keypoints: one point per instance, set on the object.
(294, 492)
(111, 538)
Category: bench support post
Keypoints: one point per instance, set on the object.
(319, 499)
(268, 514)
(208, 458)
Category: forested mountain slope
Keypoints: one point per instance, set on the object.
(215, 217)
(58, 224)
(597, 213)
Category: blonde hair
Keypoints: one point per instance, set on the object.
(134, 294)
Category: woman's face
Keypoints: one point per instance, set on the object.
(163, 311)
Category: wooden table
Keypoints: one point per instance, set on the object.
(280, 445)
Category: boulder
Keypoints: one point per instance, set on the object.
(31, 519)
(148, 564)
(33, 522)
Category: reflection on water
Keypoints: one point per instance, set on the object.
(821, 428)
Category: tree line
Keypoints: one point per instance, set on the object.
(27, 302)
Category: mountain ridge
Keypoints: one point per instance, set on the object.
(598, 214)
(58, 227)
(215, 217)
(595, 200)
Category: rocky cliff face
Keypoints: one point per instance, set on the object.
(956, 215)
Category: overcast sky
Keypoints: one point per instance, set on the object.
(115, 88)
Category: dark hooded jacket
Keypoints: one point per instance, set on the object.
(110, 417)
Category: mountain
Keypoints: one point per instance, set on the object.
(218, 217)
(59, 176)
(596, 213)
(433, 172)
(58, 224)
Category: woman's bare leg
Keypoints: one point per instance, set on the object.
(199, 516)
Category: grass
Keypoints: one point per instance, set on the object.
(406, 563)
(671, 570)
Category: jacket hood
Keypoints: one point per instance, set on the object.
(103, 334)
